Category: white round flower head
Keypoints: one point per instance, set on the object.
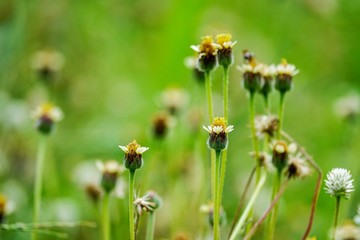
(339, 183)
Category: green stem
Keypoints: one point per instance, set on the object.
(150, 226)
(105, 217)
(38, 181)
(217, 197)
(222, 173)
(274, 213)
(209, 96)
(213, 173)
(226, 93)
(253, 133)
(337, 207)
(281, 115)
(131, 206)
(244, 216)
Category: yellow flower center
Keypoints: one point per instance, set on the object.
(46, 108)
(284, 62)
(223, 38)
(219, 122)
(207, 46)
(132, 147)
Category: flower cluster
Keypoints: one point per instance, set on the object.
(339, 183)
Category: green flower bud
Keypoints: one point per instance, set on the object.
(225, 55)
(218, 134)
(207, 54)
(46, 116)
(280, 155)
(285, 73)
(133, 155)
(110, 171)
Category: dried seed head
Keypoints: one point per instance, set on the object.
(218, 131)
(148, 203)
(225, 55)
(46, 115)
(339, 183)
(266, 124)
(133, 155)
(297, 168)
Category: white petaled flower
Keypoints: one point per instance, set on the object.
(48, 110)
(111, 166)
(348, 106)
(218, 126)
(286, 69)
(134, 148)
(268, 71)
(224, 41)
(339, 183)
(218, 131)
(47, 59)
(251, 68)
(206, 47)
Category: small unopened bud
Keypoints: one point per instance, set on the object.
(133, 155)
(160, 125)
(207, 50)
(110, 171)
(218, 132)
(252, 80)
(267, 73)
(46, 115)
(209, 210)
(280, 155)
(225, 54)
(284, 76)
(93, 192)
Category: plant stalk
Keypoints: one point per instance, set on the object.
(131, 205)
(150, 227)
(105, 217)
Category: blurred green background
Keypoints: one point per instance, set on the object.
(121, 55)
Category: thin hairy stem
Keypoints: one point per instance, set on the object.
(150, 227)
(216, 228)
(131, 205)
(105, 217)
(38, 181)
(281, 115)
(336, 216)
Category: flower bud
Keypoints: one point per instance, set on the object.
(133, 155)
(252, 80)
(267, 74)
(46, 116)
(225, 55)
(284, 75)
(149, 202)
(47, 63)
(280, 155)
(218, 134)
(110, 171)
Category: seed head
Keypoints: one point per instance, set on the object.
(133, 155)
(266, 124)
(339, 183)
(218, 134)
(149, 202)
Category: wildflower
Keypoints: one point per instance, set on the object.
(207, 50)
(297, 168)
(133, 155)
(339, 183)
(225, 55)
(47, 63)
(174, 99)
(192, 64)
(284, 74)
(348, 107)
(348, 231)
(266, 124)
(251, 71)
(218, 134)
(267, 73)
(6, 208)
(149, 202)
(160, 125)
(209, 210)
(280, 155)
(46, 115)
(110, 171)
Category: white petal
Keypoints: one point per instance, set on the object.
(125, 149)
(100, 165)
(196, 48)
(230, 128)
(141, 150)
(208, 129)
